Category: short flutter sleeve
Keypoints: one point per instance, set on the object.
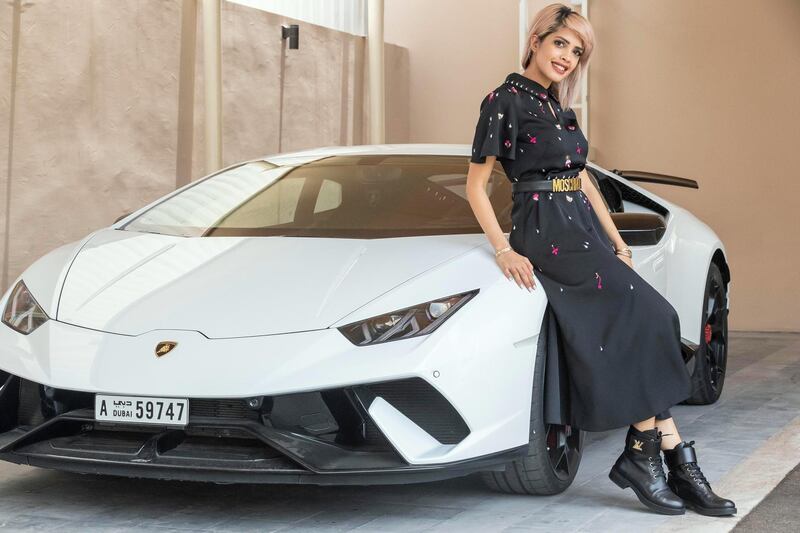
(496, 131)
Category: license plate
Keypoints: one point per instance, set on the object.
(162, 411)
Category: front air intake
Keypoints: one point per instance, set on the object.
(424, 406)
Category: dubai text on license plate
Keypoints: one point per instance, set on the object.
(163, 411)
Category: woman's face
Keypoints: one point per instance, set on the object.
(558, 54)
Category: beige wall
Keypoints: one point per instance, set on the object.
(705, 90)
(708, 90)
(96, 106)
(459, 50)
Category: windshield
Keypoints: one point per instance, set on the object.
(342, 196)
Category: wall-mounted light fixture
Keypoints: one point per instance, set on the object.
(293, 33)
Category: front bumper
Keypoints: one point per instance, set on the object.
(483, 370)
(320, 437)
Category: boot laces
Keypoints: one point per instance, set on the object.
(693, 469)
(656, 467)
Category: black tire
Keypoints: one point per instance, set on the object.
(554, 452)
(709, 363)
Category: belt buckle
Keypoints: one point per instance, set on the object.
(566, 184)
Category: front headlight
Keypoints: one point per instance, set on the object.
(22, 313)
(405, 323)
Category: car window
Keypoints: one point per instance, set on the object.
(341, 196)
(278, 207)
(329, 196)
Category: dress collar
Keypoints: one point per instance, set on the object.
(515, 79)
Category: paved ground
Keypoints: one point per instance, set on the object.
(778, 512)
(746, 443)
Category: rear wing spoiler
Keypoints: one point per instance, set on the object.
(652, 177)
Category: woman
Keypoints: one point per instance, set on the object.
(621, 338)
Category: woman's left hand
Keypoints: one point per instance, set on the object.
(625, 259)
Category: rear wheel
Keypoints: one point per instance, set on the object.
(709, 363)
(554, 452)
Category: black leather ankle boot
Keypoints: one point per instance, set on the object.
(687, 481)
(640, 468)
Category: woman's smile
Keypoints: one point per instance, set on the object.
(560, 68)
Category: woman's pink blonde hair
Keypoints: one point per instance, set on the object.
(550, 19)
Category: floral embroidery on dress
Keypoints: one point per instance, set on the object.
(578, 150)
(599, 280)
(568, 197)
(536, 196)
(554, 249)
(531, 139)
(585, 244)
(492, 96)
(507, 143)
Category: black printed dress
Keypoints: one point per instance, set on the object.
(619, 339)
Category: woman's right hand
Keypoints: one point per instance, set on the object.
(517, 266)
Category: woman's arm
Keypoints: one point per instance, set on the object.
(591, 192)
(477, 178)
(513, 265)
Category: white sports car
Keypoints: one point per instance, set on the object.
(332, 316)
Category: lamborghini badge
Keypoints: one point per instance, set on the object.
(163, 348)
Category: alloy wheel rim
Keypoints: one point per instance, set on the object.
(715, 333)
(563, 449)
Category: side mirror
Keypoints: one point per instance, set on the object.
(639, 229)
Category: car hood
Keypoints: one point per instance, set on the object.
(130, 283)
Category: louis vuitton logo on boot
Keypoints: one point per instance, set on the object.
(640, 468)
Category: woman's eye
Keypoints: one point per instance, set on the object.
(559, 43)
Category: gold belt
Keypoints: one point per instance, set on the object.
(567, 184)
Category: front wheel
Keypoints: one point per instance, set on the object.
(554, 452)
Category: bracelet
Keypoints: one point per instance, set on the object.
(625, 251)
(502, 251)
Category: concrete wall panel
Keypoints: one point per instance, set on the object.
(96, 125)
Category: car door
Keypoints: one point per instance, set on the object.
(641, 223)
